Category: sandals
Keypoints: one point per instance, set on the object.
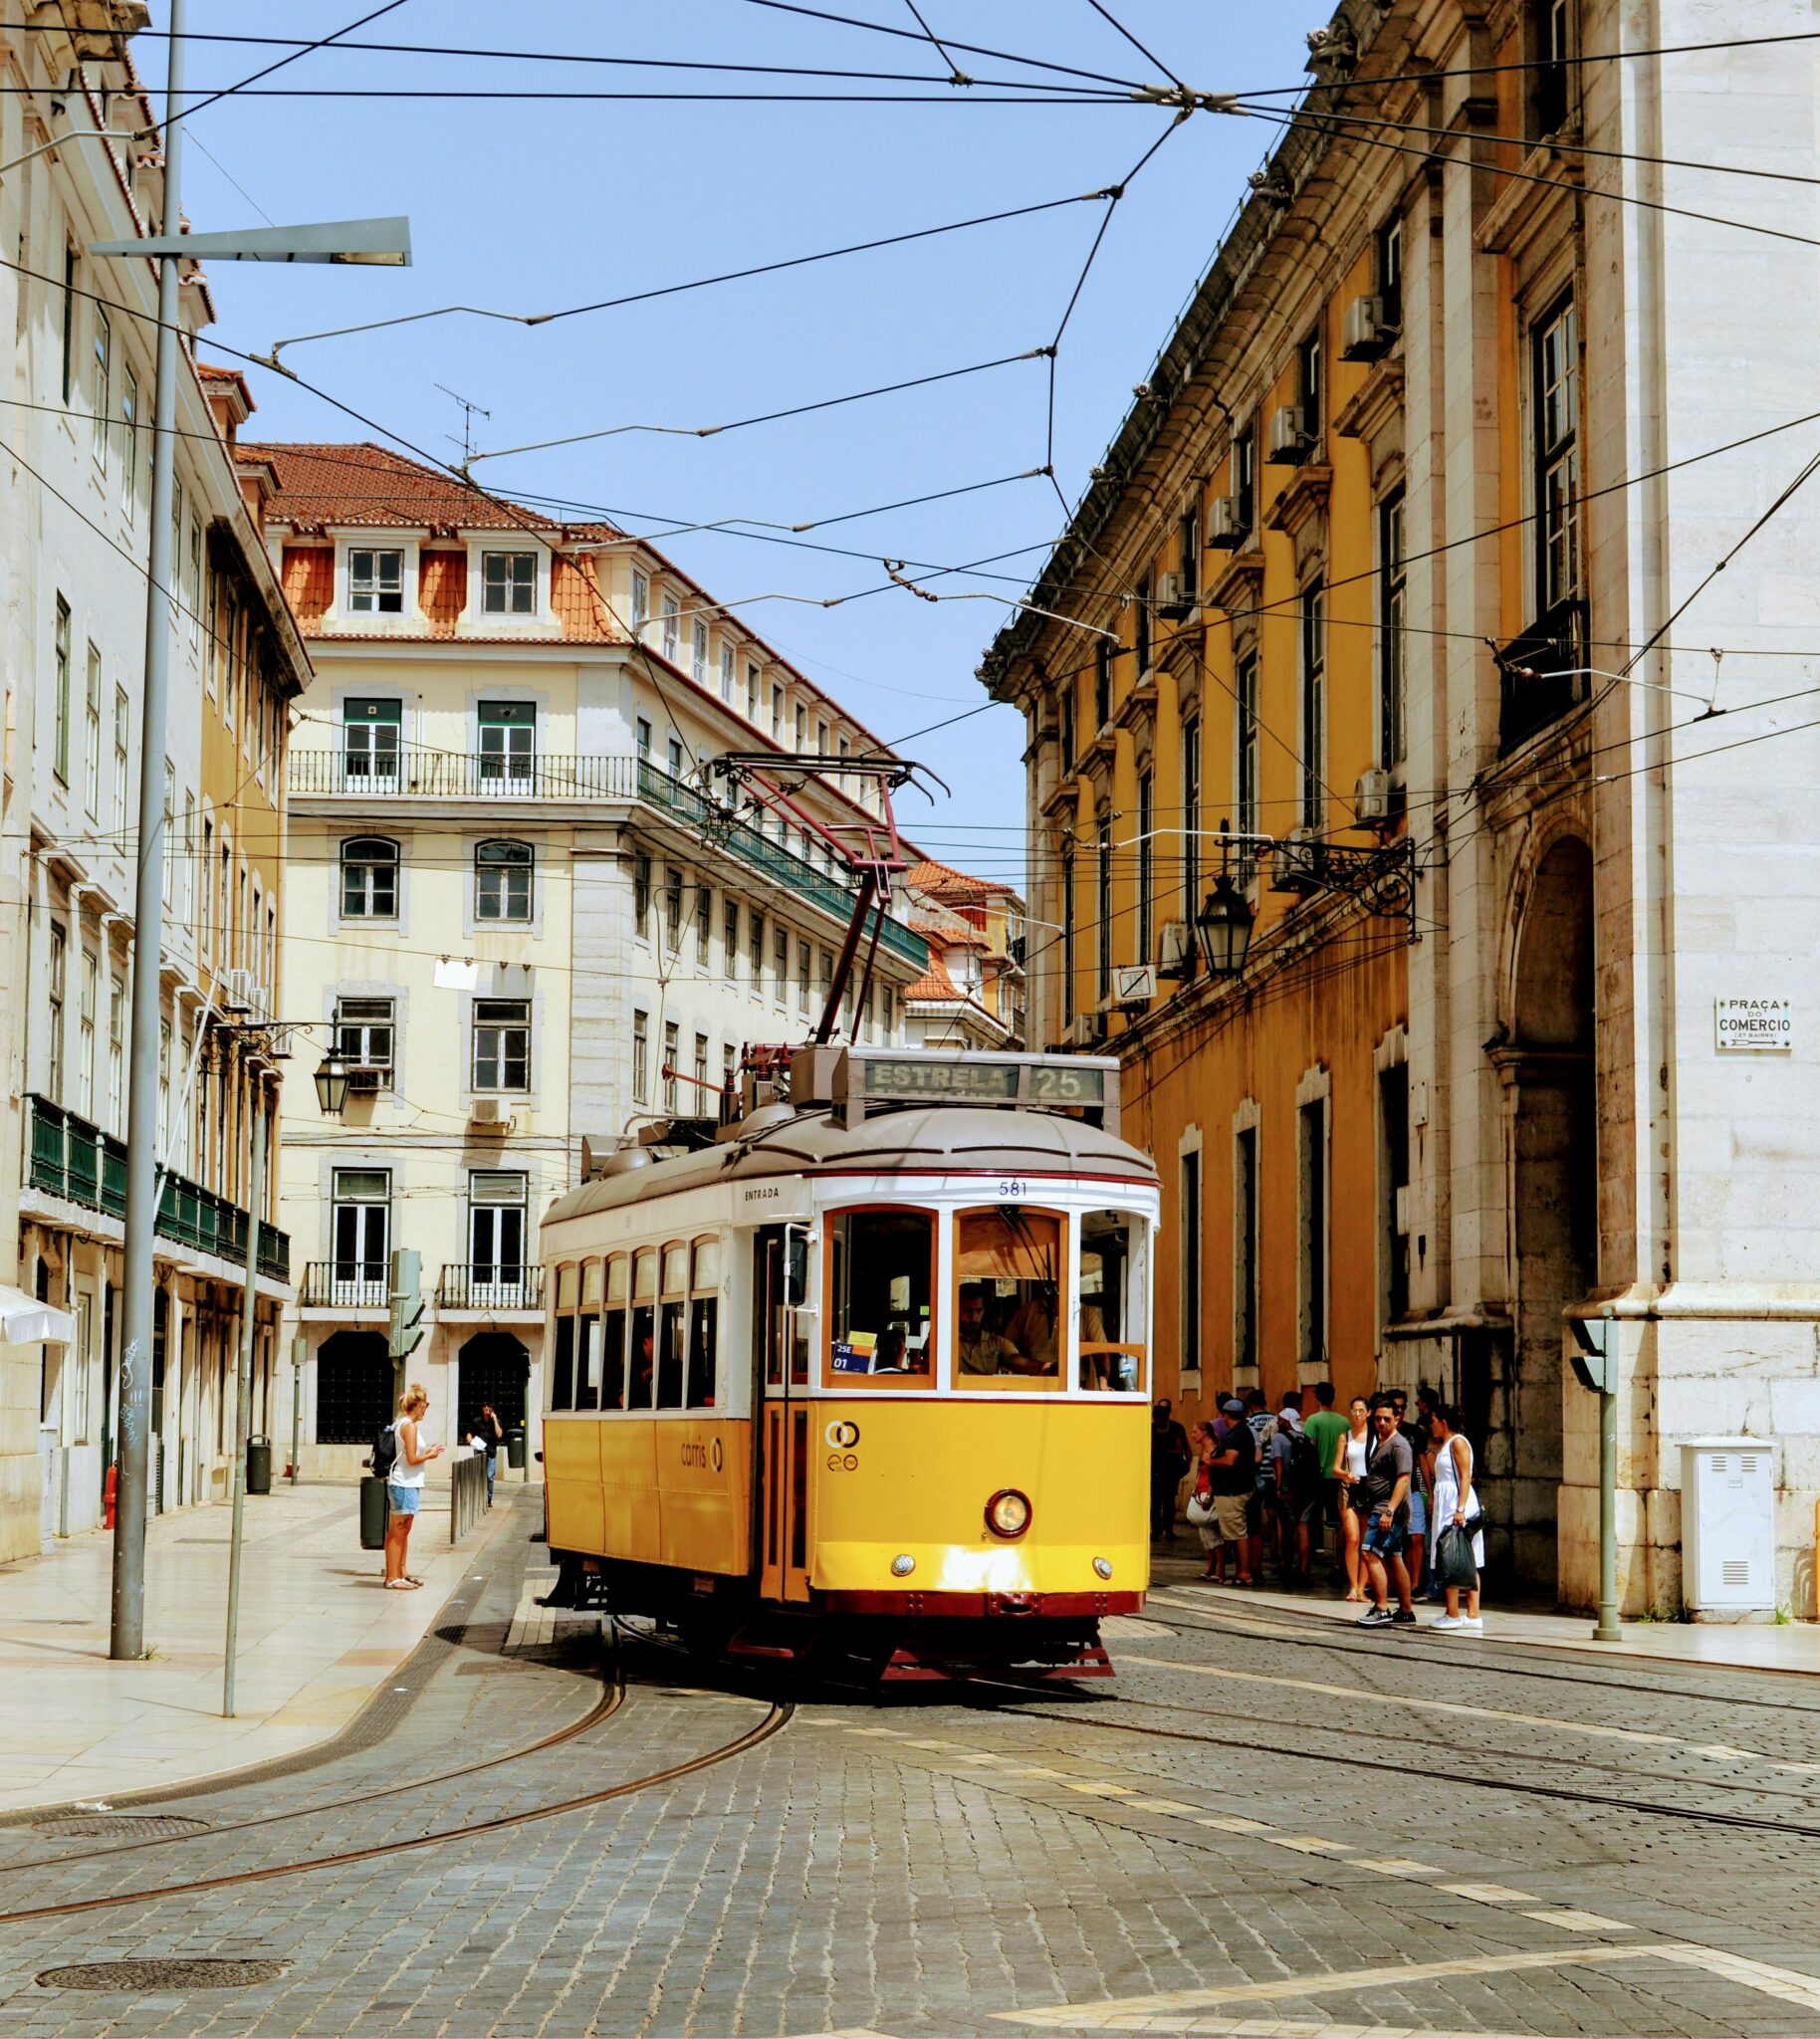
(402, 1585)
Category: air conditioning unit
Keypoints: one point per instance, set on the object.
(1297, 862)
(1089, 1030)
(240, 992)
(1371, 798)
(1290, 443)
(1133, 984)
(491, 1111)
(1365, 334)
(1176, 950)
(366, 1082)
(1226, 531)
(1175, 596)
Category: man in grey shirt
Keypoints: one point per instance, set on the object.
(1389, 1467)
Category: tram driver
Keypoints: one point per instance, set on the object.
(979, 1350)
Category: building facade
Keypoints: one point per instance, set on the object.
(75, 486)
(521, 911)
(1415, 532)
(971, 997)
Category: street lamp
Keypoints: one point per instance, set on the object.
(363, 241)
(332, 1085)
(1222, 927)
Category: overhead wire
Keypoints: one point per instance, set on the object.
(1148, 56)
(210, 98)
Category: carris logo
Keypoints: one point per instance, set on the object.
(842, 1435)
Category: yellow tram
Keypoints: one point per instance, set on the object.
(865, 1370)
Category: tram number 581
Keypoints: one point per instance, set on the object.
(1013, 1189)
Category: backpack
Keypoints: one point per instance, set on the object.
(385, 1451)
(1305, 1473)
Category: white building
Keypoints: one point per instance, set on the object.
(75, 459)
(512, 910)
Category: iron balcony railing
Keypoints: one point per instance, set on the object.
(1541, 675)
(795, 873)
(450, 774)
(73, 1158)
(457, 775)
(489, 1285)
(346, 1286)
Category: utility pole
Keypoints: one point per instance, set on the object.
(243, 1409)
(126, 1636)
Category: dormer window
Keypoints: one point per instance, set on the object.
(376, 581)
(509, 583)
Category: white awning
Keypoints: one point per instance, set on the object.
(24, 1320)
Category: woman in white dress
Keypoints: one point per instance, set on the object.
(1456, 1507)
(1351, 1470)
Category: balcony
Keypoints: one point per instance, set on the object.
(489, 1287)
(361, 1286)
(71, 1159)
(456, 775)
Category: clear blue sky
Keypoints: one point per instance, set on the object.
(528, 205)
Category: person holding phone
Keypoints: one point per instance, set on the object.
(404, 1485)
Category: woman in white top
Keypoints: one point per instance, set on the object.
(404, 1484)
(1455, 1505)
(1351, 1474)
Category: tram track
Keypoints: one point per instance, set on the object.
(776, 1718)
(1238, 1624)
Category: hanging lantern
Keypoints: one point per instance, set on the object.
(1222, 927)
(332, 1085)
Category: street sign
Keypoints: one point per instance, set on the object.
(1754, 1026)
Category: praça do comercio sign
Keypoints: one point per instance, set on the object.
(1754, 1026)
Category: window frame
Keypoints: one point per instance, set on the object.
(1057, 1382)
(509, 584)
(367, 595)
(355, 1036)
(1557, 457)
(869, 1382)
(510, 882)
(1393, 606)
(496, 1021)
(1313, 618)
(348, 862)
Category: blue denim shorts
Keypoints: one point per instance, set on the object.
(1385, 1542)
(403, 1499)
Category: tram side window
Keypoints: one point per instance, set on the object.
(1112, 1354)
(563, 1366)
(612, 1336)
(881, 1286)
(643, 1378)
(779, 1266)
(587, 1339)
(704, 1319)
(671, 1325)
(1009, 1265)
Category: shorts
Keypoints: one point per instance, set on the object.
(1254, 1512)
(1417, 1514)
(1323, 1505)
(1230, 1511)
(403, 1499)
(1385, 1542)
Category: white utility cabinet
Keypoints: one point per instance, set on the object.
(1728, 1525)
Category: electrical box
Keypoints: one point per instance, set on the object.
(1727, 1525)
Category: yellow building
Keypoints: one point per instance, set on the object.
(1402, 565)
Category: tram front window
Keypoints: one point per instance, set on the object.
(881, 1281)
(1112, 1353)
(1008, 1313)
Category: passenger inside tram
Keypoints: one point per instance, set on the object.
(1010, 1262)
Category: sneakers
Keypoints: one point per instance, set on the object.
(1375, 1618)
(1448, 1621)
(1403, 1618)
(1462, 1623)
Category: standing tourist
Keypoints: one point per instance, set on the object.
(1327, 1426)
(1169, 1458)
(1389, 1469)
(1355, 1447)
(1235, 1483)
(1455, 1514)
(404, 1485)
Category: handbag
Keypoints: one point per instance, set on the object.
(1454, 1564)
(1199, 1511)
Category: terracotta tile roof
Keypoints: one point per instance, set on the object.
(951, 887)
(309, 581)
(442, 588)
(364, 484)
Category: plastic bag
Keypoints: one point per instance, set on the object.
(1454, 1564)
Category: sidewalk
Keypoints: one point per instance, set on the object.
(1740, 1646)
(318, 1636)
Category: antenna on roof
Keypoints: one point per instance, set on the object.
(470, 410)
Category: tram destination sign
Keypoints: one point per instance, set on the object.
(1034, 1082)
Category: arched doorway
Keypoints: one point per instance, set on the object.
(353, 1388)
(494, 1367)
(1548, 1072)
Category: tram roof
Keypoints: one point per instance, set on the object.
(945, 1139)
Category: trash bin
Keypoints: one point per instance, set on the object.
(259, 1465)
(374, 1510)
(514, 1449)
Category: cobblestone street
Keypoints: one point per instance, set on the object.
(1268, 1825)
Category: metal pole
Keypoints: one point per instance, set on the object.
(243, 1400)
(1608, 1630)
(299, 1346)
(127, 1632)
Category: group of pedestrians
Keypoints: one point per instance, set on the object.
(1264, 1485)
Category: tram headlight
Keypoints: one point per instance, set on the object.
(1008, 1513)
(1103, 1567)
(902, 1565)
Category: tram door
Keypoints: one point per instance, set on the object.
(782, 1346)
